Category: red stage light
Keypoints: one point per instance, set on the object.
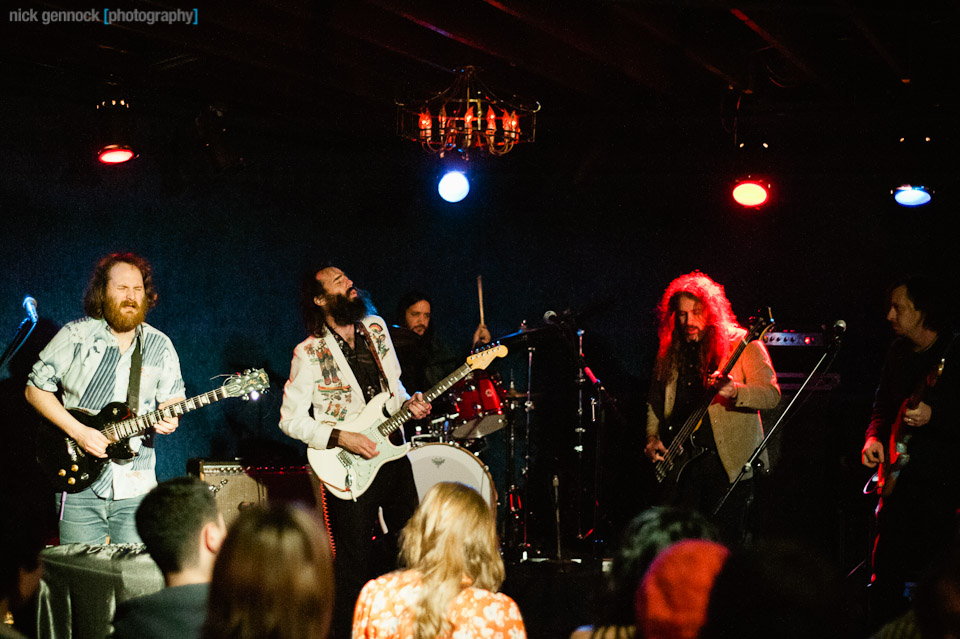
(114, 154)
(751, 193)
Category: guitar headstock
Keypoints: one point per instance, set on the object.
(760, 324)
(482, 358)
(249, 383)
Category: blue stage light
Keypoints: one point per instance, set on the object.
(453, 186)
(907, 195)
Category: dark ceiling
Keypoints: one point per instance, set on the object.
(334, 68)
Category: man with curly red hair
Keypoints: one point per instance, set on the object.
(698, 332)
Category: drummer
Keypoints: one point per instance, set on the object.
(424, 357)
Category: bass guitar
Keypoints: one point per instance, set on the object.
(71, 469)
(680, 447)
(347, 475)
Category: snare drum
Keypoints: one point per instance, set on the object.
(434, 463)
(479, 407)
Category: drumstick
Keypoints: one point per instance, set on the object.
(480, 296)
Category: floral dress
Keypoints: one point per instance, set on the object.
(385, 610)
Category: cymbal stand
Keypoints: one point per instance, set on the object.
(579, 430)
(517, 511)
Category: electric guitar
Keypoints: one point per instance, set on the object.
(71, 469)
(896, 453)
(680, 447)
(347, 475)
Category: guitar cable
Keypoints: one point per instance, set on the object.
(326, 519)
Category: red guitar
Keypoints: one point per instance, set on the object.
(896, 453)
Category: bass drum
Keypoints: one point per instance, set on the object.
(435, 463)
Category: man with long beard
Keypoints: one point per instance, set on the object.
(90, 361)
(348, 359)
(698, 332)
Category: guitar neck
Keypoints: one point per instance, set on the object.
(697, 416)
(137, 425)
(403, 415)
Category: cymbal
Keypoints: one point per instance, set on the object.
(513, 393)
(403, 337)
(528, 335)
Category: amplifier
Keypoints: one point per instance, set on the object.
(237, 485)
(793, 338)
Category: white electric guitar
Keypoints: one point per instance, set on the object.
(347, 475)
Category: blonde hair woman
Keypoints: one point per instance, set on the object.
(273, 577)
(453, 570)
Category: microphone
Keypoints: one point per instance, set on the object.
(30, 305)
(836, 333)
(558, 319)
(593, 378)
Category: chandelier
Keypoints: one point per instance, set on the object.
(465, 116)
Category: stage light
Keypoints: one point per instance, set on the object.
(453, 186)
(752, 193)
(115, 154)
(907, 195)
(116, 131)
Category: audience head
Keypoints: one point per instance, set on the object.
(937, 600)
(181, 527)
(779, 589)
(644, 537)
(672, 598)
(273, 577)
(451, 540)
(21, 540)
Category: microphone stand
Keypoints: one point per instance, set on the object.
(603, 401)
(754, 462)
(18, 339)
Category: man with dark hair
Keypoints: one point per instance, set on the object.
(426, 358)
(183, 530)
(698, 333)
(918, 398)
(348, 360)
(90, 362)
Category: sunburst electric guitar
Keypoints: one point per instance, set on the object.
(71, 469)
(347, 475)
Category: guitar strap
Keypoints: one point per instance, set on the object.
(133, 387)
(384, 385)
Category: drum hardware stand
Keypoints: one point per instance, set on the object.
(578, 448)
(516, 511)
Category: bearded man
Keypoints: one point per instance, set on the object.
(348, 359)
(698, 332)
(90, 361)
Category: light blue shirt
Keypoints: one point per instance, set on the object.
(84, 360)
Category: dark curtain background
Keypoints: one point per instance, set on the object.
(560, 224)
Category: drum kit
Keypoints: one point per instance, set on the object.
(446, 448)
(480, 420)
(450, 445)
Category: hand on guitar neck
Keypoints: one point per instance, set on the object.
(722, 385)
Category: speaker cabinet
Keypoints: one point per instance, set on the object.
(238, 486)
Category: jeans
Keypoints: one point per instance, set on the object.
(86, 518)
